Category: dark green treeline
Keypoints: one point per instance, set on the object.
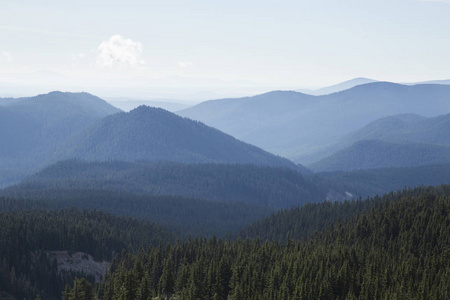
(399, 250)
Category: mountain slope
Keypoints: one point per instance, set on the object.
(372, 154)
(373, 182)
(398, 250)
(407, 128)
(157, 135)
(31, 129)
(296, 125)
(185, 216)
(272, 187)
(31, 239)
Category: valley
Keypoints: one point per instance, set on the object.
(88, 189)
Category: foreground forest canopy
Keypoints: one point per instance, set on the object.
(28, 236)
(399, 249)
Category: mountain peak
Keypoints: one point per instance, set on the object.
(154, 134)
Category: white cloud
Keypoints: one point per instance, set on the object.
(7, 55)
(118, 51)
(185, 64)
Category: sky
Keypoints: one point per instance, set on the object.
(195, 49)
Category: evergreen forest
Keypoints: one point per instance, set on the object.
(395, 246)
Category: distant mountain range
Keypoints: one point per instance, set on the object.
(41, 130)
(300, 126)
(396, 141)
(337, 87)
(372, 154)
(32, 129)
(405, 128)
(345, 85)
(130, 104)
(154, 134)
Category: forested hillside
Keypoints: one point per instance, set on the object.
(262, 185)
(398, 250)
(382, 180)
(400, 140)
(372, 154)
(298, 223)
(154, 134)
(33, 128)
(185, 216)
(406, 128)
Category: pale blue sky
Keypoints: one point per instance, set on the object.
(273, 44)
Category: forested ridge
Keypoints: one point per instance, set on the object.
(33, 128)
(185, 216)
(371, 154)
(399, 250)
(298, 223)
(154, 134)
(383, 180)
(275, 187)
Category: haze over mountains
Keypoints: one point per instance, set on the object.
(41, 130)
(300, 127)
(65, 150)
(32, 129)
(126, 104)
(348, 84)
(154, 134)
(396, 141)
(337, 87)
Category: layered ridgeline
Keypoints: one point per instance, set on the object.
(41, 130)
(397, 250)
(300, 127)
(395, 141)
(42, 250)
(32, 129)
(191, 199)
(337, 87)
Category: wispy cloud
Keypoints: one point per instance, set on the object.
(7, 55)
(118, 51)
(185, 64)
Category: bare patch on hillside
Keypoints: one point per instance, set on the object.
(79, 262)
